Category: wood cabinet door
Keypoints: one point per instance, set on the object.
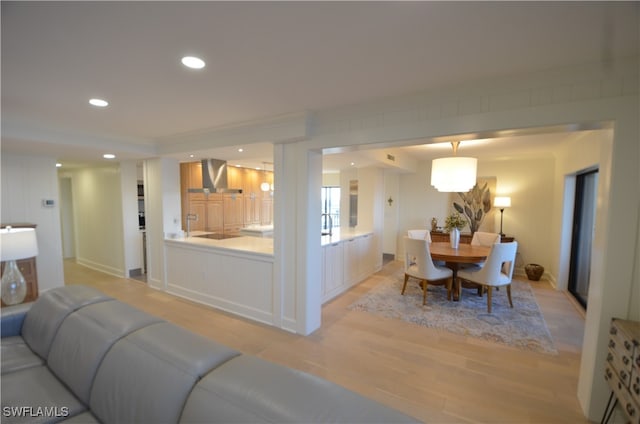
(215, 216)
(233, 210)
(266, 211)
(198, 208)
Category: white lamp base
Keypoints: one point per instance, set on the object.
(14, 287)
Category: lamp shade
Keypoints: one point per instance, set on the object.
(454, 174)
(502, 202)
(18, 243)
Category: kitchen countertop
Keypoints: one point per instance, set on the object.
(338, 236)
(259, 245)
(247, 244)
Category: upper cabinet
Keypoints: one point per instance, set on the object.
(252, 206)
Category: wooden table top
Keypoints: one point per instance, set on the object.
(465, 253)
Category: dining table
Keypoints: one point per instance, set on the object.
(455, 258)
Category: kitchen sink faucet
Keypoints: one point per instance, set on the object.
(330, 222)
(190, 217)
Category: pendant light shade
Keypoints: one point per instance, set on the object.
(454, 174)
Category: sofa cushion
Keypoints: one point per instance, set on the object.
(147, 376)
(84, 418)
(249, 389)
(85, 337)
(16, 355)
(12, 319)
(35, 395)
(48, 312)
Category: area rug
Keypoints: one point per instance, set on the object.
(521, 326)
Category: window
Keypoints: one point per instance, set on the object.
(330, 208)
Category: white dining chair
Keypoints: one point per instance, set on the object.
(481, 238)
(423, 268)
(420, 234)
(496, 272)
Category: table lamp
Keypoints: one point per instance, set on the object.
(502, 202)
(15, 243)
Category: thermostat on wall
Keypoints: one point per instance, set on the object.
(48, 203)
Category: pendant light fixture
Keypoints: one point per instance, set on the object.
(454, 174)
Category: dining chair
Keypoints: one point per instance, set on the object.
(481, 238)
(420, 234)
(423, 267)
(497, 270)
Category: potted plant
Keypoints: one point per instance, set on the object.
(454, 223)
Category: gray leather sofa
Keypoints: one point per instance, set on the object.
(78, 356)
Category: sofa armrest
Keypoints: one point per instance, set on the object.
(12, 319)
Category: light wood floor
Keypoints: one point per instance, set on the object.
(433, 375)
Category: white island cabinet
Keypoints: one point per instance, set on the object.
(235, 275)
(347, 260)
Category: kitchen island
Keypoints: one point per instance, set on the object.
(236, 274)
(232, 274)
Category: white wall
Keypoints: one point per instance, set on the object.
(66, 218)
(99, 229)
(391, 212)
(530, 184)
(419, 202)
(581, 151)
(162, 213)
(26, 181)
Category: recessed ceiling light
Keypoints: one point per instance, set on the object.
(99, 102)
(109, 156)
(241, 150)
(191, 156)
(353, 163)
(58, 165)
(193, 62)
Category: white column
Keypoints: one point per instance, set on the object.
(298, 180)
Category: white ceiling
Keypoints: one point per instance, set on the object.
(264, 59)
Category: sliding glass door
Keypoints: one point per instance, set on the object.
(583, 229)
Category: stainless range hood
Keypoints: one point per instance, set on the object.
(214, 178)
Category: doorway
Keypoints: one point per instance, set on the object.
(584, 218)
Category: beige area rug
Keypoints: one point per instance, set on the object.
(522, 327)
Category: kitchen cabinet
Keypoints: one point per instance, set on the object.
(228, 212)
(347, 262)
(332, 270)
(233, 210)
(252, 209)
(266, 211)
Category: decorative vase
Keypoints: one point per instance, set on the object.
(534, 271)
(454, 238)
